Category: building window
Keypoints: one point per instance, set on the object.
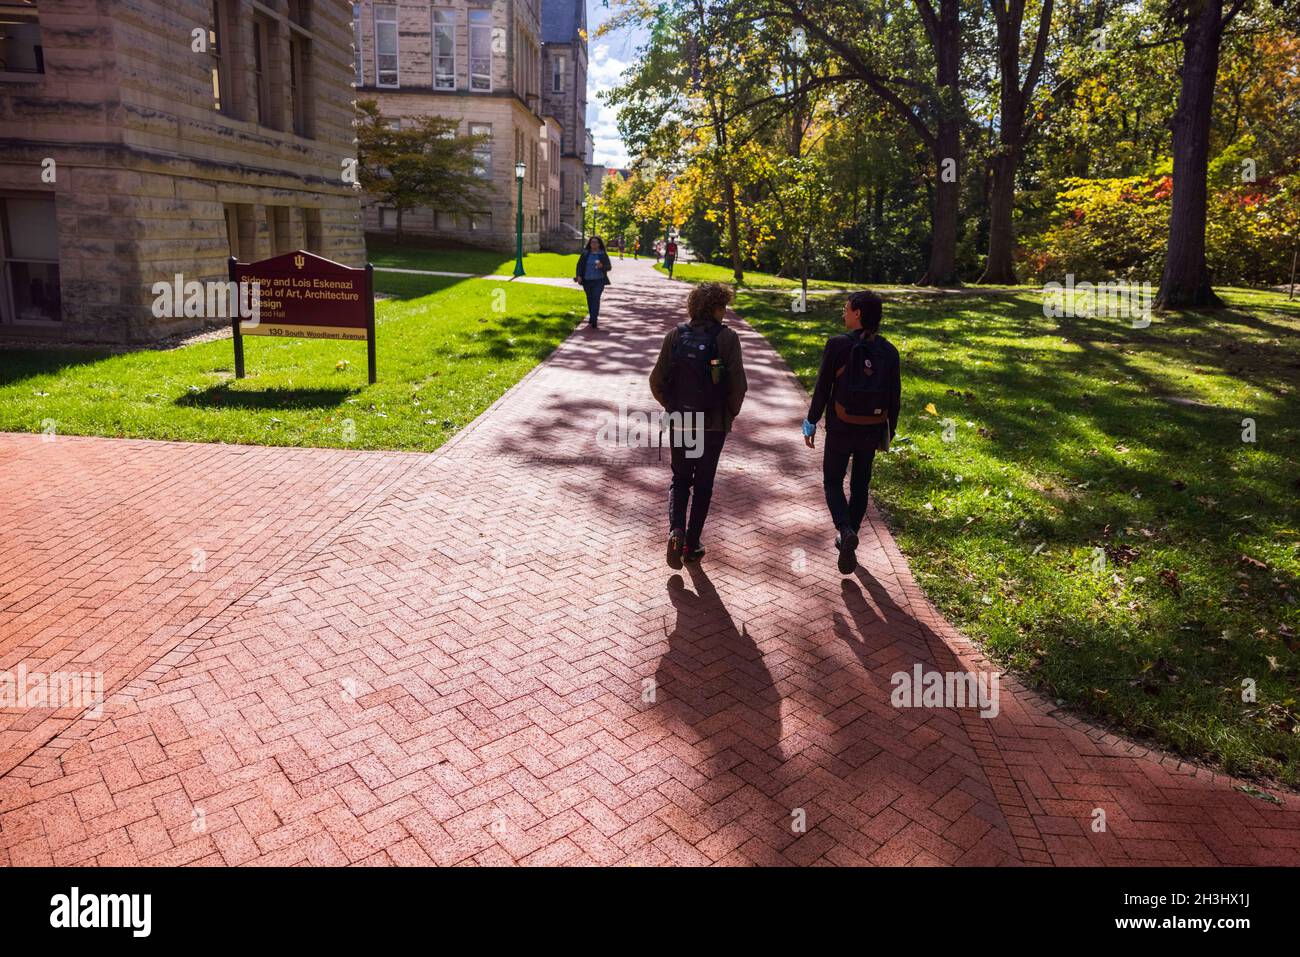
(21, 50)
(557, 74)
(387, 217)
(29, 261)
(264, 46)
(300, 13)
(386, 44)
(444, 49)
(279, 232)
(445, 221)
(483, 149)
(313, 236)
(357, 62)
(480, 222)
(480, 50)
(300, 86)
(220, 82)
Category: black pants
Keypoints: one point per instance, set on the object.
(594, 288)
(835, 462)
(693, 474)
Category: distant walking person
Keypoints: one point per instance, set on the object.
(860, 389)
(593, 273)
(700, 379)
(670, 257)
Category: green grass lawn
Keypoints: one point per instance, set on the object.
(707, 272)
(480, 262)
(1078, 438)
(444, 355)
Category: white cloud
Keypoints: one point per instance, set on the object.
(603, 73)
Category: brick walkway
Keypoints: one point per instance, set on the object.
(393, 658)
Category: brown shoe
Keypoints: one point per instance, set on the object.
(676, 544)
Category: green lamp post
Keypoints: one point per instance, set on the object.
(520, 169)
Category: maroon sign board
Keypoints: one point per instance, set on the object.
(304, 296)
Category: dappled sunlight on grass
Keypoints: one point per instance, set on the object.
(1097, 520)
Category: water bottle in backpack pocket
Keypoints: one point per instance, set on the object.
(696, 378)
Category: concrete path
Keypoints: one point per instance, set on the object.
(478, 656)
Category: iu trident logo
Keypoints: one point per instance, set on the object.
(298, 261)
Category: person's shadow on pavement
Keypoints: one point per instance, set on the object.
(712, 683)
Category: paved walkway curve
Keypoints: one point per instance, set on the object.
(478, 656)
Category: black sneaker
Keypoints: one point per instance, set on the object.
(676, 543)
(694, 554)
(847, 542)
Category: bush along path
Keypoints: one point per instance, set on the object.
(477, 655)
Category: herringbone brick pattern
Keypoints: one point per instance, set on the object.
(478, 656)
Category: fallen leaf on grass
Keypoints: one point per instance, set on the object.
(1170, 578)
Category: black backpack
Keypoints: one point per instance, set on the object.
(692, 384)
(861, 396)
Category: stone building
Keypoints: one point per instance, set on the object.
(564, 96)
(144, 138)
(483, 64)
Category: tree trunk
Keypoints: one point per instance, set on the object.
(1001, 267)
(399, 225)
(1186, 279)
(942, 270)
(733, 228)
(946, 39)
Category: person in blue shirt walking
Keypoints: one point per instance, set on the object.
(593, 273)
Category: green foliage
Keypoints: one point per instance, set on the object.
(1104, 229)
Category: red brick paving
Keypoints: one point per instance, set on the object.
(441, 659)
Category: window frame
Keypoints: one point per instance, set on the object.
(397, 47)
(484, 24)
(435, 57)
(8, 306)
(484, 171)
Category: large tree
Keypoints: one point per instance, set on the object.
(1015, 102)
(419, 163)
(932, 104)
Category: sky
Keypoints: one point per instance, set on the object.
(607, 58)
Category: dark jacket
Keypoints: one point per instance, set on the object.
(717, 420)
(581, 274)
(834, 358)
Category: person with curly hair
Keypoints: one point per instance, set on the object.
(699, 378)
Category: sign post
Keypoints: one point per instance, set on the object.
(305, 296)
(238, 336)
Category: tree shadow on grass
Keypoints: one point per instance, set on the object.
(19, 364)
(222, 396)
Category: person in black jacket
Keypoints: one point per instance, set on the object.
(847, 441)
(593, 273)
